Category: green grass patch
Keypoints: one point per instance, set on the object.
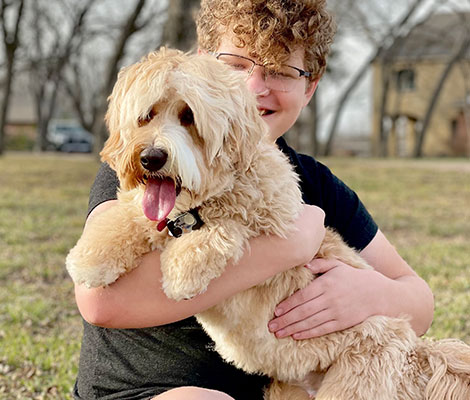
(43, 202)
(422, 206)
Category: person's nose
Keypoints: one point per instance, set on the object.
(257, 83)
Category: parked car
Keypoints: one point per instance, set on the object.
(69, 136)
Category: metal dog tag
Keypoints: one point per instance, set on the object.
(184, 223)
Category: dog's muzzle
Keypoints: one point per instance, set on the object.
(153, 159)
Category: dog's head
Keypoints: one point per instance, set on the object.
(180, 122)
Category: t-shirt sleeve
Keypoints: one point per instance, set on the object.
(344, 211)
(104, 187)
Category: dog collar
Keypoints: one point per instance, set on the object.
(184, 223)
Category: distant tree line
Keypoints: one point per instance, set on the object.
(76, 48)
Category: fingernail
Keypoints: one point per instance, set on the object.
(278, 311)
(272, 326)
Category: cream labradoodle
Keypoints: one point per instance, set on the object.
(192, 157)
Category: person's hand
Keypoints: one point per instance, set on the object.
(339, 298)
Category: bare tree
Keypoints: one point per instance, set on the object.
(11, 43)
(110, 42)
(178, 31)
(80, 87)
(49, 54)
(133, 23)
(383, 44)
(461, 50)
(312, 145)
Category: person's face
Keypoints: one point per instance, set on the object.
(278, 109)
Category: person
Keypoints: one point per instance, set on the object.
(138, 344)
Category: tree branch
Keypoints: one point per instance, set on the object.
(392, 35)
(459, 53)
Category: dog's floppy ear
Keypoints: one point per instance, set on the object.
(248, 129)
(114, 146)
(117, 150)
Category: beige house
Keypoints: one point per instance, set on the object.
(414, 69)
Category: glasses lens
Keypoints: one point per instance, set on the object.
(283, 79)
(237, 63)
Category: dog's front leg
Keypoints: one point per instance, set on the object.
(191, 261)
(110, 246)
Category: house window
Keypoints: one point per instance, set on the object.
(405, 80)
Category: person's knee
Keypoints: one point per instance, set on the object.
(193, 393)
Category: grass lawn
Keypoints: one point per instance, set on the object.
(422, 206)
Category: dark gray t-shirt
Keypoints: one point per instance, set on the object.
(141, 363)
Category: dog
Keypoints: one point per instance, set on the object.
(198, 178)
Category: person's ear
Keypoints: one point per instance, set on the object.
(312, 86)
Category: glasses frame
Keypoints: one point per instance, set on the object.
(300, 71)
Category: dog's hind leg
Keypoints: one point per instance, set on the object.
(373, 367)
(348, 384)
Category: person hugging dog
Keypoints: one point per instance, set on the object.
(139, 344)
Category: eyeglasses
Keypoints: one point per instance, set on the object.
(282, 79)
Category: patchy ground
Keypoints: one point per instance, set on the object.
(421, 205)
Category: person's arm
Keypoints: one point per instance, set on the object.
(343, 296)
(137, 300)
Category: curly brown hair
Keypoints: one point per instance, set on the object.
(270, 29)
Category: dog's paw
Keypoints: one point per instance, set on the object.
(90, 275)
(181, 290)
(191, 262)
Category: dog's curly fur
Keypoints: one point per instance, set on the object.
(203, 116)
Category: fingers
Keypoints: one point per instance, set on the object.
(322, 265)
(323, 329)
(311, 292)
(309, 323)
(315, 310)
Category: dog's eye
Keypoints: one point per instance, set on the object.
(142, 121)
(186, 116)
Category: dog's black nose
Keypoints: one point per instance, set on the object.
(153, 159)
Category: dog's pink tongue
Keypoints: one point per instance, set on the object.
(159, 198)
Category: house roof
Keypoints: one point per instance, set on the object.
(435, 38)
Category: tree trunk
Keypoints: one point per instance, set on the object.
(5, 100)
(313, 106)
(435, 97)
(383, 135)
(179, 30)
(11, 43)
(342, 102)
